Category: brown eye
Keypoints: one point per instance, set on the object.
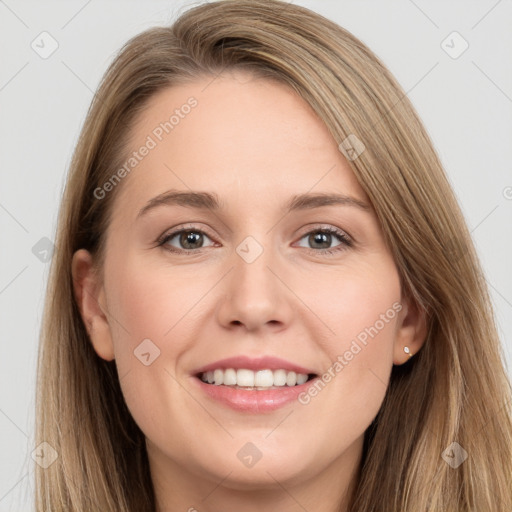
(186, 240)
(320, 240)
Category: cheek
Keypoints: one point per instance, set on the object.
(151, 302)
(362, 312)
(361, 309)
(152, 311)
(145, 360)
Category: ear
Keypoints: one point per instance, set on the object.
(411, 331)
(90, 297)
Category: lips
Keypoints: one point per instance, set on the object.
(255, 364)
(249, 397)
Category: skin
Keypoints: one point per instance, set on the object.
(254, 143)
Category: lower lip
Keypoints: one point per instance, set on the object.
(253, 400)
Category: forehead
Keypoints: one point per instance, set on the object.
(238, 106)
(235, 132)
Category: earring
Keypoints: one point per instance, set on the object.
(407, 350)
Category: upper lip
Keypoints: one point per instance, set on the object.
(257, 363)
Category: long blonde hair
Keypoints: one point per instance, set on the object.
(454, 390)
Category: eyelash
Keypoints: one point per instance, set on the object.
(345, 240)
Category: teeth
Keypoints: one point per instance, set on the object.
(218, 377)
(245, 378)
(301, 378)
(229, 377)
(279, 377)
(261, 379)
(291, 379)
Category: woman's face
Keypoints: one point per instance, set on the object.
(270, 272)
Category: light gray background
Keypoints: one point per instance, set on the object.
(465, 103)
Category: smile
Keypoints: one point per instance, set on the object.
(259, 380)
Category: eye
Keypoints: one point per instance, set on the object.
(191, 239)
(188, 239)
(321, 239)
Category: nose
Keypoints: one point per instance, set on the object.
(256, 295)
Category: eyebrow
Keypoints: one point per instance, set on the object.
(210, 201)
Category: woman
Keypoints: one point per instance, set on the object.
(257, 368)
